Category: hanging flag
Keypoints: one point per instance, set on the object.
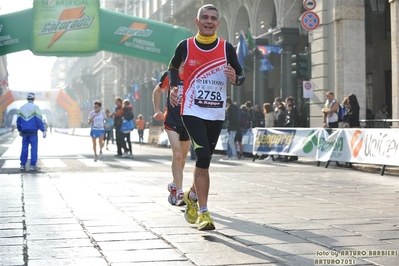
(135, 91)
(266, 65)
(242, 50)
(251, 42)
(265, 51)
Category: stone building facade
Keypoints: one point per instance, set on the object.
(354, 50)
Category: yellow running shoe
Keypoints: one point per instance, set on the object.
(205, 222)
(191, 211)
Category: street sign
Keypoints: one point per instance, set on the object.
(309, 4)
(307, 89)
(310, 20)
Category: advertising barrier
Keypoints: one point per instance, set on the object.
(288, 141)
(365, 146)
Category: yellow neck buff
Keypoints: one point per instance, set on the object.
(205, 39)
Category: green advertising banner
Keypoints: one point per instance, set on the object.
(63, 28)
(80, 28)
(15, 31)
(142, 38)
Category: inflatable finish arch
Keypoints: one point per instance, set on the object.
(57, 96)
(80, 28)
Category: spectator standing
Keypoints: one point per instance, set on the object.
(251, 113)
(140, 124)
(277, 102)
(270, 120)
(243, 121)
(345, 104)
(281, 116)
(29, 121)
(232, 127)
(117, 124)
(330, 111)
(204, 97)
(109, 128)
(96, 120)
(352, 116)
(289, 119)
(293, 112)
(382, 114)
(127, 143)
(290, 122)
(292, 119)
(259, 117)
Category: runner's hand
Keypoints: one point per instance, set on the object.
(158, 115)
(230, 73)
(44, 134)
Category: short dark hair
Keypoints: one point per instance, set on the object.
(207, 7)
(97, 103)
(278, 99)
(290, 99)
(268, 108)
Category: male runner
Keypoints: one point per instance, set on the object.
(177, 134)
(208, 62)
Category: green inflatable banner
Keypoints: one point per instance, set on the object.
(15, 31)
(65, 27)
(147, 39)
(80, 28)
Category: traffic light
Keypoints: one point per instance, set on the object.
(301, 66)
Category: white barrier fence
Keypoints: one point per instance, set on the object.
(366, 146)
(361, 145)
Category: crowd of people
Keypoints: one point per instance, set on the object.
(239, 119)
(350, 109)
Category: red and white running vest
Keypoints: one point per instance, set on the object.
(204, 91)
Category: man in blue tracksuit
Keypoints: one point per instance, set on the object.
(29, 121)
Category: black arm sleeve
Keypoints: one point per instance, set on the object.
(233, 61)
(176, 61)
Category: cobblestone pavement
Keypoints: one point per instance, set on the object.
(285, 216)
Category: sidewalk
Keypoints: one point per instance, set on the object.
(274, 218)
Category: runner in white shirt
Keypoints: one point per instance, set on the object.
(97, 119)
